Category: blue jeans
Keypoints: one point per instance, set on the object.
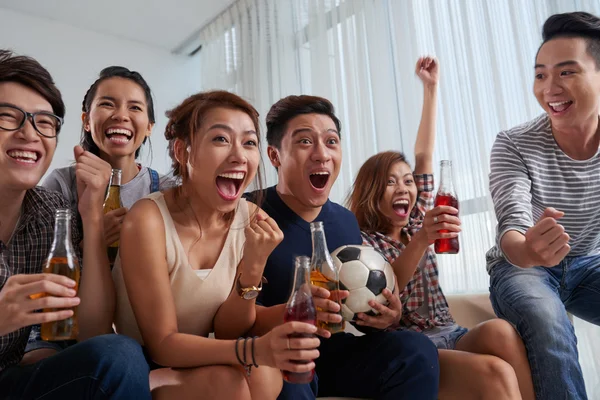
(381, 365)
(104, 367)
(536, 301)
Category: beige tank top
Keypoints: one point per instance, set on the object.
(197, 296)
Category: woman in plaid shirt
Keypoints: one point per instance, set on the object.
(395, 214)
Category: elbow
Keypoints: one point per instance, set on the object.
(160, 352)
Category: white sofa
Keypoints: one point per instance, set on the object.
(468, 310)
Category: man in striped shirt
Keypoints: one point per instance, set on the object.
(545, 183)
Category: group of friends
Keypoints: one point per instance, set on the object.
(200, 255)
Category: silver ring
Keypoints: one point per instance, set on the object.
(435, 219)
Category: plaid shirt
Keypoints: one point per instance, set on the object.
(27, 252)
(413, 295)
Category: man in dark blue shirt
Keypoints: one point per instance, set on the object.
(303, 135)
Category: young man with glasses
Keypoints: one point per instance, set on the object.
(100, 366)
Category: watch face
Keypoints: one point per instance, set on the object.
(250, 295)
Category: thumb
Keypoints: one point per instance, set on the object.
(78, 151)
(552, 213)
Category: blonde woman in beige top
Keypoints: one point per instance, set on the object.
(192, 260)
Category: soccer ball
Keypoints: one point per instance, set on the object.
(364, 272)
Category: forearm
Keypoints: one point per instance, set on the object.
(267, 318)
(96, 289)
(236, 315)
(180, 350)
(513, 246)
(424, 145)
(406, 264)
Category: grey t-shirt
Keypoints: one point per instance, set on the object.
(63, 181)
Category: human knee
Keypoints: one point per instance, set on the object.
(502, 336)
(116, 362)
(418, 350)
(228, 381)
(498, 379)
(265, 383)
(116, 352)
(547, 323)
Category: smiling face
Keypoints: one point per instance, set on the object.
(309, 159)
(24, 154)
(223, 159)
(567, 82)
(118, 118)
(400, 195)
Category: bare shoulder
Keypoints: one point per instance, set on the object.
(143, 218)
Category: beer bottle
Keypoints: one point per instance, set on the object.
(446, 196)
(300, 307)
(113, 202)
(62, 260)
(323, 272)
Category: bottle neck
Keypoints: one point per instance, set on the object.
(320, 254)
(301, 279)
(61, 245)
(115, 179)
(446, 184)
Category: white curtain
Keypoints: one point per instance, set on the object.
(361, 54)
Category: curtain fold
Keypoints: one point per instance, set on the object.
(360, 54)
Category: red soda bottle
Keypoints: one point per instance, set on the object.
(300, 307)
(446, 196)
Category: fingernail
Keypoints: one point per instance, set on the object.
(71, 292)
(71, 283)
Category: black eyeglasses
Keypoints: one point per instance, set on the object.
(45, 123)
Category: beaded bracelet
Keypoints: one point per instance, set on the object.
(243, 360)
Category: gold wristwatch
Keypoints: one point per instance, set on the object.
(251, 292)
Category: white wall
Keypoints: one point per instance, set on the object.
(74, 57)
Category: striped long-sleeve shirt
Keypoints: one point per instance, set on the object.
(529, 172)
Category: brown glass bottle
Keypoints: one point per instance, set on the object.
(323, 273)
(62, 260)
(113, 202)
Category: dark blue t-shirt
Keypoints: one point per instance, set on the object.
(341, 228)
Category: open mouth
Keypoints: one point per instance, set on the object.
(119, 135)
(560, 106)
(24, 156)
(401, 208)
(229, 184)
(319, 179)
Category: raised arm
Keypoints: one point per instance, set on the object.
(427, 69)
(237, 315)
(96, 289)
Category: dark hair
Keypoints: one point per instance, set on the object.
(292, 106)
(368, 190)
(28, 72)
(575, 25)
(87, 142)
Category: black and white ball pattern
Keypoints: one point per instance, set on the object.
(364, 272)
